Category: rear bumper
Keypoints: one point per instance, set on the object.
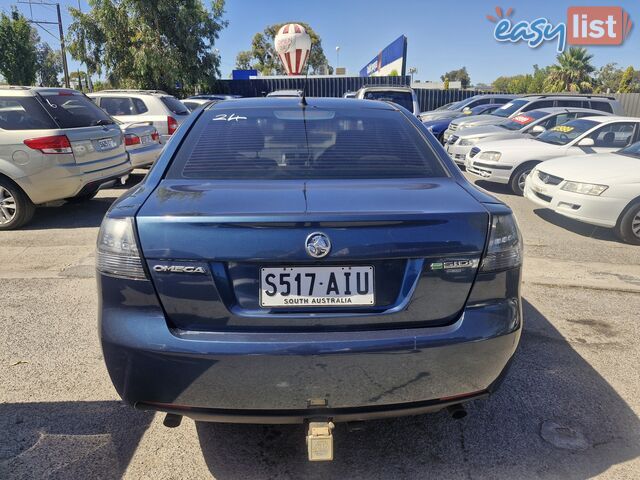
(66, 181)
(144, 156)
(278, 377)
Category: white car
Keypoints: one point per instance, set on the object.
(162, 110)
(403, 96)
(528, 103)
(523, 125)
(601, 189)
(510, 161)
(285, 93)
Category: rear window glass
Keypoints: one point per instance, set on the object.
(175, 105)
(74, 110)
(23, 113)
(603, 106)
(404, 99)
(266, 143)
(510, 108)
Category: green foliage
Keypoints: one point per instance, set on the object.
(49, 64)
(572, 72)
(149, 43)
(527, 83)
(629, 82)
(243, 60)
(459, 75)
(607, 78)
(446, 83)
(394, 73)
(263, 56)
(18, 57)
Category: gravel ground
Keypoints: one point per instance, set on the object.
(568, 409)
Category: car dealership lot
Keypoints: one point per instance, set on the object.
(568, 409)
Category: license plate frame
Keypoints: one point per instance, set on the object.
(106, 143)
(321, 279)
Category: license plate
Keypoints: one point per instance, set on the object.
(145, 139)
(106, 143)
(316, 286)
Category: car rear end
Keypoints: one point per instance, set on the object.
(174, 113)
(80, 149)
(142, 142)
(285, 262)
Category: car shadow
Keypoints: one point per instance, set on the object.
(492, 187)
(69, 439)
(550, 392)
(580, 228)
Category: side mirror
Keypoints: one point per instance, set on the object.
(586, 142)
(538, 129)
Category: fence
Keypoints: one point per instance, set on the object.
(337, 86)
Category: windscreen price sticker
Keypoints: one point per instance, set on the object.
(522, 119)
(562, 129)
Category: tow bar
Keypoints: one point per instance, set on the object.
(320, 441)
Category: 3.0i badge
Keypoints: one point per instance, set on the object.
(454, 264)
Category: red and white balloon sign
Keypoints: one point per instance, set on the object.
(293, 45)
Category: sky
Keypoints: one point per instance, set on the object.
(442, 35)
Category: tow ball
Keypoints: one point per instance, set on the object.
(320, 441)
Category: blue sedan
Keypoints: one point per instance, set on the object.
(437, 127)
(288, 260)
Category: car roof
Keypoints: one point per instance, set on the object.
(325, 102)
(551, 110)
(398, 88)
(25, 91)
(159, 93)
(611, 118)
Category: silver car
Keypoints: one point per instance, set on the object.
(55, 144)
(142, 142)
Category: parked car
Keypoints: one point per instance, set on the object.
(254, 276)
(285, 93)
(165, 112)
(142, 142)
(602, 189)
(195, 103)
(453, 110)
(349, 95)
(530, 124)
(536, 102)
(55, 144)
(437, 127)
(403, 96)
(510, 161)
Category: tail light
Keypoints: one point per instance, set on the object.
(172, 125)
(505, 245)
(131, 139)
(117, 253)
(53, 144)
(155, 136)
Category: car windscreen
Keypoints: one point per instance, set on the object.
(175, 105)
(23, 113)
(522, 120)
(404, 99)
(632, 150)
(309, 143)
(563, 134)
(73, 110)
(510, 108)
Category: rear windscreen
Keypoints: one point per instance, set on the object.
(74, 110)
(310, 143)
(175, 105)
(23, 113)
(404, 99)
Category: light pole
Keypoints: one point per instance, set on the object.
(337, 60)
(412, 70)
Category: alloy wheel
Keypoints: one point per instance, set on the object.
(7, 206)
(635, 225)
(522, 178)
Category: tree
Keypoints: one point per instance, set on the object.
(149, 43)
(628, 83)
(608, 78)
(572, 72)
(243, 60)
(459, 75)
(49, 66)
(445, 85)
(394, 73)
(18, 57)
(264, 56)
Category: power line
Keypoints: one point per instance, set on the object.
(40, 24)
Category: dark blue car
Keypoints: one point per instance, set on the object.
(289, 260)
(437, 127)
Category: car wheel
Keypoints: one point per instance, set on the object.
(16, 208)
(518, 178)
(628, 227)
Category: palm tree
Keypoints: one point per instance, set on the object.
(572, 72)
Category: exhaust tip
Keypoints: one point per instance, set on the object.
(457, 411)
(171, 420)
